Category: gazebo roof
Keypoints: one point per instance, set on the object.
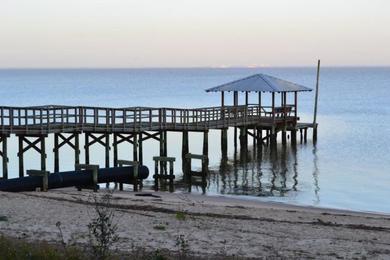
(260, 83)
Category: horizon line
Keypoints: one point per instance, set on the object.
(196, 67)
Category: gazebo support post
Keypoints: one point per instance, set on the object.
(224, 129)
(284, 103)
(235, 104)
(259, 104)
(294, 131)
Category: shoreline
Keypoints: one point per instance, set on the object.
(209, 225)
(286, 205)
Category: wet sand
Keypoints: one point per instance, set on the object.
(211, 226)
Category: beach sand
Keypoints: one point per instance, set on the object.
(210, 226)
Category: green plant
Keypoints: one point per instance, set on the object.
(17, 249)
(182, 243)
(158, 256)
(159, 227)
(102, 230)
(181, 215)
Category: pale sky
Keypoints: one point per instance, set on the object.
(193, 33)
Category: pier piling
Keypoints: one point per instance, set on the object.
(4, 155)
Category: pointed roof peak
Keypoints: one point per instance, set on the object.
(260, 83)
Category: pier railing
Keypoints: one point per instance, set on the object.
(51, 119)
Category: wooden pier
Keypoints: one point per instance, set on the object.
(134, 125)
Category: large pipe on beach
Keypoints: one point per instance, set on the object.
(74, 178)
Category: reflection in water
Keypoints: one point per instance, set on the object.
(315, 176)
(260, 171)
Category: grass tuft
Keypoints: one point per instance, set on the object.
(180, 215)
(159, 227)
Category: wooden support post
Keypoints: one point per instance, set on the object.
(115, 148)
(188, 177)
(86, 147)
(185, 146)
(243, 138)
(284, 137)
(135, 147)
(235, 138)
(305, 135)
(20, 155)
(301, 134)
(4, 154)
(259, 104)
(205, 170)
(156, 179)
(295, 107)
(254, 137)
(294, 137)
(315, 125)
(273, 106)
(274, 136)
(235, 103)
(43, 153)
(206, 143)
(172, 176)
(162, 150)
(165, 143)
(107, 153)
(107, 149)
(140, 152)
(76, 148)
(259, 137)
(224, 142)
(184, 150)
(161, 143)
(223, 106)
(235, 98)
(56, 153)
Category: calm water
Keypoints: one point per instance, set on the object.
(348, 168)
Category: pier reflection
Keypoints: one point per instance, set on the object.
(259, 171)
(315, 176)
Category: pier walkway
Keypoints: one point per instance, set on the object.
(64, 119)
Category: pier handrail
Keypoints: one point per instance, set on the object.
(47, 119)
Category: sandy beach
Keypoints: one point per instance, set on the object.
(211, 226)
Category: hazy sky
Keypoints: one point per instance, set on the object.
(193, 33)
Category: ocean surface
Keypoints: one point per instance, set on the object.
(348, 168)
